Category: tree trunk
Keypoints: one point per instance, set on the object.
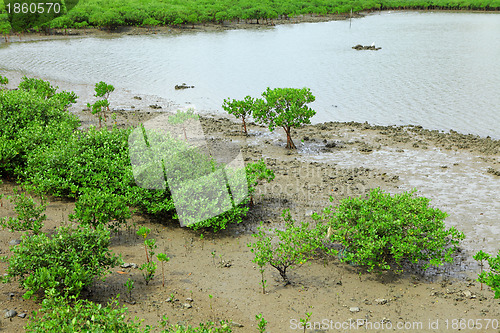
(283, 275)
(244, 125)
(289, 142)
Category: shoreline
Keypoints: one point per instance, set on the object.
(209, 27)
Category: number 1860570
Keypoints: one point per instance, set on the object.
(33, 8)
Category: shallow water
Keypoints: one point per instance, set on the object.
(438, 70)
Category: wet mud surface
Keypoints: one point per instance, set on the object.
(458, 172)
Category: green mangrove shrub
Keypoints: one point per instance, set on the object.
(240, 109)
(382, 229)
(30, 215)
(182, 118)
(286, 108)
(65, 263)
(98, 207)
(490, 277)
(101, 106)
(69, 314)
(283, 249)
(32, 118)
(255, 173)
(3, 80)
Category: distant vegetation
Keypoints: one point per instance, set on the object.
(148, 13)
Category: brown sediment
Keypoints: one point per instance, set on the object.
(327, 288)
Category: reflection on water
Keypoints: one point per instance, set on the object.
(438, 70)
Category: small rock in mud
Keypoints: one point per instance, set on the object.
(366, 148)
(189, 299)
(354, 309)
(155, 106)
(138, 97)
(381, 301)
(494, 172)
(10, 313)
(187, 305)
(467, 294)
(129, 265)
(331, 145)
(235, 324)
(14, 242)
(22, 315)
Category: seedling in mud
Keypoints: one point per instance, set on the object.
(202, 242)
(261, 323)
(213, 257)
(261, 261)
(101, 106)
(305, 321)
(295, 246)
(29, 214)
(182, 118)
(130, 286)
(149, 267)
(144, 232)
(481, 256)
(163, 259)
(256, 172)
(491, 278)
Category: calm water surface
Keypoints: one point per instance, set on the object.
(438, 70)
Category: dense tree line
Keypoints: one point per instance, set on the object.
(113, 13)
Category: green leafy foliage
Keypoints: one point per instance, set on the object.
(261, 323)
(130, 287)
(99, 108)
(208, 327)
(256, 172)
(183, 118)
(286, 108)
(5, 27)
(32, 118)
(240, 109)
(62, 264)
(85, 160)
(29, 214)
(163, 259)
(294, 245)
(490, 277)
(148, 271)
(112, 14)
(40, 143)
(3, 80)
(63, 315)
(149, 267)
(382, 229)
(97, 207)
